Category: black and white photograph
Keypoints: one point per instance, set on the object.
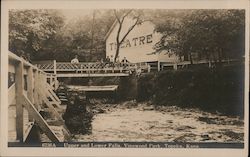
(144, 78)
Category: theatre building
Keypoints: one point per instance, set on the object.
(138, 46)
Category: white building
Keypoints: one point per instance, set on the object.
(138, 46)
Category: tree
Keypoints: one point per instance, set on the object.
(46, 35)
(210, 34)
(85, 35)
(29, 29)
(121, 15)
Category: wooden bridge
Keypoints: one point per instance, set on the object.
(31, 92)
(91, 69)
(31, 95)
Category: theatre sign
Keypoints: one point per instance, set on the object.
(138, 46)
(136, 41)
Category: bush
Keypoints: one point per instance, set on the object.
(212, 90)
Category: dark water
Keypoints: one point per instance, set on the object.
(131, 121)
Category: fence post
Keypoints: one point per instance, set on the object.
(39, 79)
(51, 80)
(55, 67)
(36, 96)
(19, 77)
(175, 66)
(149, 67)
(30, 92)
(159, 66)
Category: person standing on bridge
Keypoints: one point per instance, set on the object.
(75, 63)
(125, 62)
(75, 60)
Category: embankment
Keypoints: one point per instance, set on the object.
(211, 90)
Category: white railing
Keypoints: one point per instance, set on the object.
(28, 86)
(91, 67)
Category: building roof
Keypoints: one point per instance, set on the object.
(111, 29)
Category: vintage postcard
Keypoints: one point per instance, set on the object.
(124, 78)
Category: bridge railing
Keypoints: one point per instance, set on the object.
(91, 67)
(26, 87)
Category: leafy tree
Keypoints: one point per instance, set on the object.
(121, 15)
(29, 29)
(211, 34)
(45, 34)
(85, 36)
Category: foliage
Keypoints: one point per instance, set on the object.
(46, 35)
(121, 15)
(29, 29)
(212, 34)
(86, 35)
(209, 89)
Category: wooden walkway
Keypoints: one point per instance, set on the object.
(31, 91)
(90, 69)
(94, 88)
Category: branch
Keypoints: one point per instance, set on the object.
(130, 29)
(117, 17)
(126, 14)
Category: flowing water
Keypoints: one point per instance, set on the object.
(138, 122)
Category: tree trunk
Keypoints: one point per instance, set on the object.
(117, 51)
(191, 59)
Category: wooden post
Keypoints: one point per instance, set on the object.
(30, 92)
(175, 66)
(159, 66)
(149, 67)
(36, 86)
(39, 79)
(50, 80)
(54, 66)
(39, 119)
(19, 104)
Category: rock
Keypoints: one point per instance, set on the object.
(205, 137)
(185, 138)
(184, 127)
(208, 120)
(234, 135)
(169, 121)
(148, 108)
(77, 118)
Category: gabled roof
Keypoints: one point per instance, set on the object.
(110, 30)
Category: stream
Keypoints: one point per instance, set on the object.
(141, 122)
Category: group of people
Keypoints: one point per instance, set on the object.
(107, 62)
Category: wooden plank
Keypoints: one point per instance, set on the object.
(93, 75)
(12, 120)
(30, 91)
(94, 88)
(50, 106)
(27, 131)
(48, 94)
(25, 71)
(52, 92)
(11, 68)
(55, 99)
(39, 85)
(36, 86)
(52, 109)
(19, 106)
(39, 119)
(12, 94)
(54, 66)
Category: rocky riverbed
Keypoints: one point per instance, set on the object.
(137, 122)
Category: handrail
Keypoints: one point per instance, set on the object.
(29, 94)
(93, 66)
(14, 57)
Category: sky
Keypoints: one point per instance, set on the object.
(76, 13)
